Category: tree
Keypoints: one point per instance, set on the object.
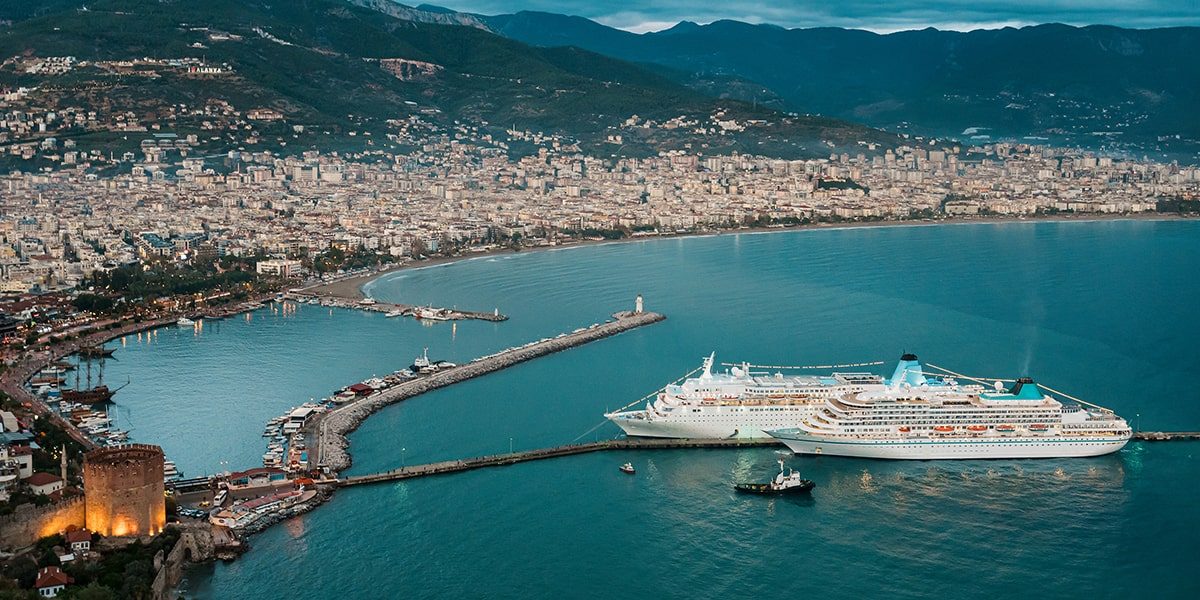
(94, 591)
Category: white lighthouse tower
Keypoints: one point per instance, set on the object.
(637, 305)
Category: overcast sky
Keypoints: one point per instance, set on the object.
(883, 17)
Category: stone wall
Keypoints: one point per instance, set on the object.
(30, 523)
(195, 545)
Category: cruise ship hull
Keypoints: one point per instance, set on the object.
(634, 424)
(935, 449)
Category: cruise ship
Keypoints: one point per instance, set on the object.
(915, 417)
(738, 403)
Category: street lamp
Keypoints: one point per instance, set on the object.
(402, 453)
(510, 446)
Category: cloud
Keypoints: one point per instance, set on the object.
(641, 16)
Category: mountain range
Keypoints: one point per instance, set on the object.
(345, 67)
(318, 62)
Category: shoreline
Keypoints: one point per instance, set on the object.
(17, 375)
(352, 287)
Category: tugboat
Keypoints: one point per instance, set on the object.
(628, 468)
(782, 484)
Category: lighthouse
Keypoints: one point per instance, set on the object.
(637, 305)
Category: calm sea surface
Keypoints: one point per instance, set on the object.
(1108, 311)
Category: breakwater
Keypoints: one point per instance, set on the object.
(496, 460)
(427, 313)
(1166, 436)
(327, 432)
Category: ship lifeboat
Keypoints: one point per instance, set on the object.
(976, 428)
(943, 429)
(1006, 428)
(1039, 427)
(905, 429)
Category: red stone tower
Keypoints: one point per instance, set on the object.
(123, 490)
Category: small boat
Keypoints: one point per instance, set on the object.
(185, 322)
(784, 483)
(95, 352)
(627, 468)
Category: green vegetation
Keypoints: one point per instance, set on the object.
(840, 184)
(337, 259)
(127, 573)
(1178, 206)
(164, 280)
(321, 70)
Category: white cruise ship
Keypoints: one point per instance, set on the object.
(920, 418)
(738, 403)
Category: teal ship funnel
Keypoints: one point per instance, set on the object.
(908, 371)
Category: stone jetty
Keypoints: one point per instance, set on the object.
(328, 431)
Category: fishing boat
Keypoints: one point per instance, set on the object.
(627, 468)
(783, 483)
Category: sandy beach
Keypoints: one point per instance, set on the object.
(351, 287)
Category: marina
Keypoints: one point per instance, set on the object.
(327, 432)
(547, 403)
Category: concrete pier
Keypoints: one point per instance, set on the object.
(1166, 436)
(431, 313)
(496, 460)
(327, 432)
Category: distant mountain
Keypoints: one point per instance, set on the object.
(1047, 80)
(342, 66)
(423, 14)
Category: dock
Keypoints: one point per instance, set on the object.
(497, 460)
(327, 431)
(426, 313)
(1166, 436)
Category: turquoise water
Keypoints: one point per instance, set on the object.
(1103, 310)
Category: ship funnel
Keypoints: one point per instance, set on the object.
(708, 365)
(1026, 389)
(909, 371)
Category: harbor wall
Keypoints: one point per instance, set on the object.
(30, 523)
(194, 545)
(331, 428)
